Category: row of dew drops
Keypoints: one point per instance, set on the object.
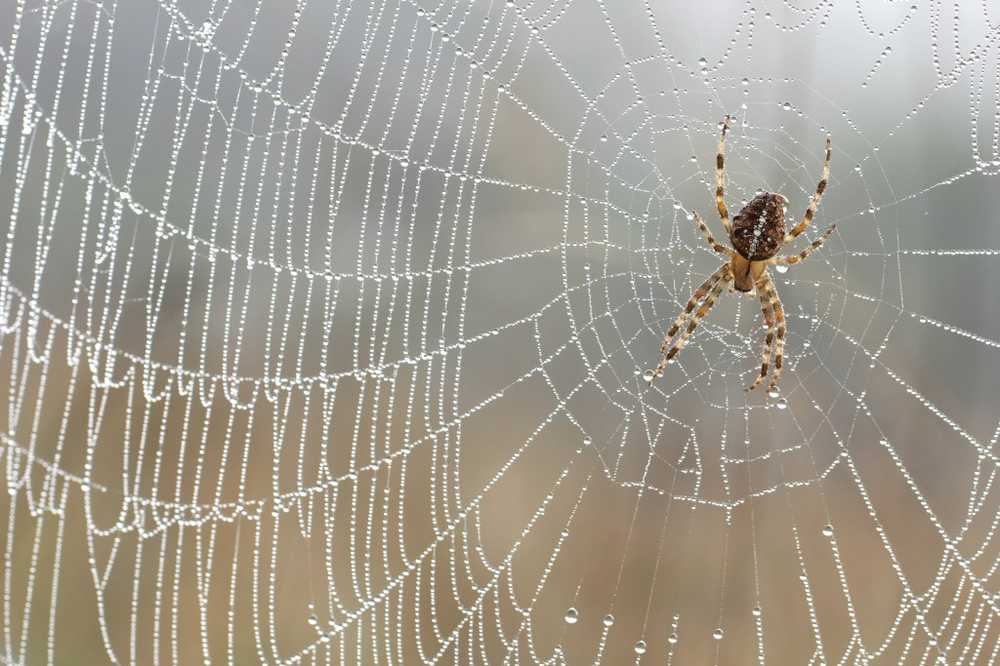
(572, 616)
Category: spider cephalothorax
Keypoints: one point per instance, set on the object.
(756, 234)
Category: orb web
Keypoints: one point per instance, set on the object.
(325, 328)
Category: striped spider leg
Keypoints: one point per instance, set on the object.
(792, 259)
(816, 198)
(720, 178)
(706, 294)
(774, 340)
(767, 299)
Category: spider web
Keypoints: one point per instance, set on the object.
(325, 327)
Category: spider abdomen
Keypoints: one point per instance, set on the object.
(759, 228)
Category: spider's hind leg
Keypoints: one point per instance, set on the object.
(779, 318)
(708, 292)
(768, 311)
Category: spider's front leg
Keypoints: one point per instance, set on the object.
(816, 198)
(720, 178)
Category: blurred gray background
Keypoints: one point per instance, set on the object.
(324, 327)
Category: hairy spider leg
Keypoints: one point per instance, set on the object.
(791, 259)
(697, 297)
(713, 295)
(768, 311)
(720, 177)
(816, 198)
(779, 319)
(710, 239)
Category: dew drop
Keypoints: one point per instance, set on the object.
(786, 106)
(756, 611)
(717, 634)
(672, 639)
(773, 393)
(608, 620)
(781, 403)
(828, 530)
(640, 647)
(781, 268)
(572, 616)
(648, 375)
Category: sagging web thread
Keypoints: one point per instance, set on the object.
(325, 327)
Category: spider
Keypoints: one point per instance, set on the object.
(756, 235)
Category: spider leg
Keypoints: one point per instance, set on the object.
(814, 202)
(700, 294)
(768, 311)
(779, 317)
(791, 259)
(710, 239)
(713, 295)
(720, 177)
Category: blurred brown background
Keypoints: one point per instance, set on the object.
(324, 325)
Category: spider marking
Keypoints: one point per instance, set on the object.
(756, 235)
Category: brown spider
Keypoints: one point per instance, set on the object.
(756, 235)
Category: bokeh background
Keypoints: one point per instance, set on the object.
(325, 323)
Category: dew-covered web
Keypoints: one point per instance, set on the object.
(325, 324)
